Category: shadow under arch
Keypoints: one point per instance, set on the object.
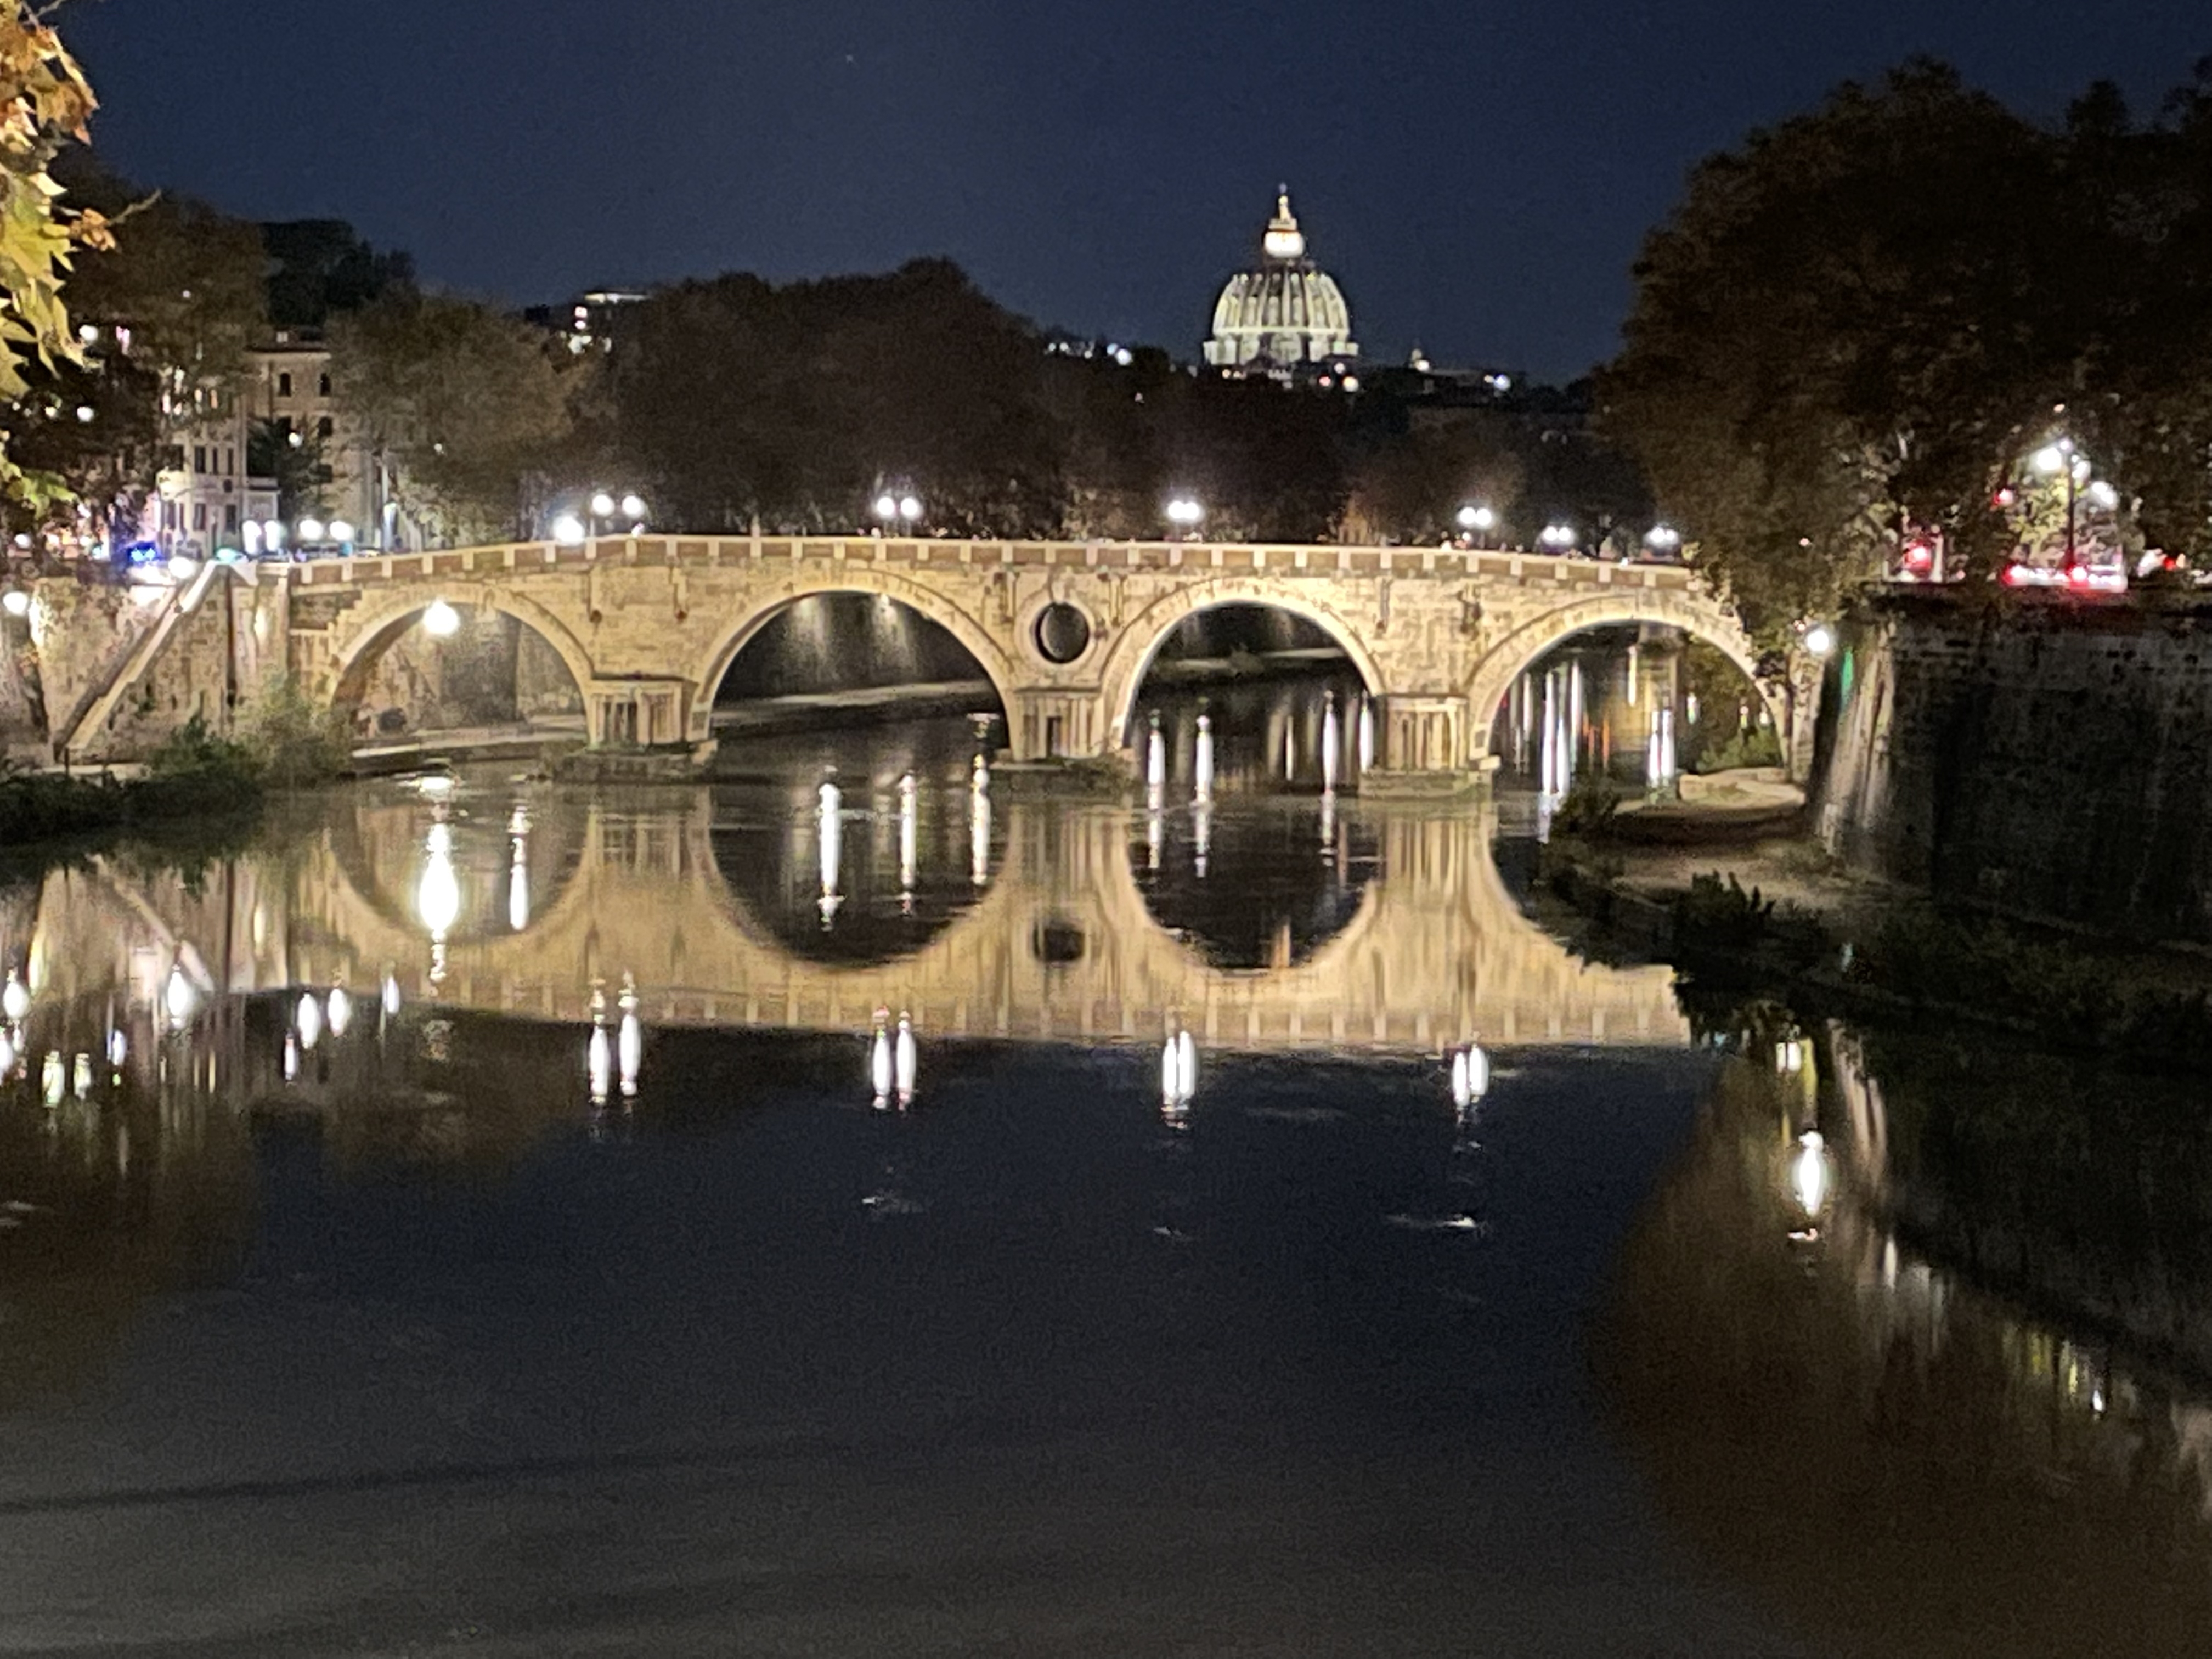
(381, 626)
(1274, 897)
(767, 874)
(1138, 642)
(380, 844)
(1512, 656)
(867, 581)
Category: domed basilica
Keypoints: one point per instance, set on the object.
(1284, 318)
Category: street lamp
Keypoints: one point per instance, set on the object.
(633, 507)
(1186, 515)
(894, 508)
(2061, 458)
(1477, 521)
(441, 621)
(1663, 539)
(311, 532)
(568, 530)
(1820, 639)
(1559, 536)
(342, 533)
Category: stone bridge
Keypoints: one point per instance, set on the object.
(1061, 944)
(1065, 631)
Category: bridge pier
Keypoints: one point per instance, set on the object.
(639, 712)
(1057, 722)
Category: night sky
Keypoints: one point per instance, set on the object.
(1477, 175)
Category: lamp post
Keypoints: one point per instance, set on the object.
(1558, 538)
(1476, 521)
(1663, 539)
(2062, 458)
(1186, 515)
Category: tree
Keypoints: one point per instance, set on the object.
(297, 459)
(459, 402)
(1861, 324)
(1845, 327)
(183, 279)
(321, 268)
(48, 103)
(737, 399)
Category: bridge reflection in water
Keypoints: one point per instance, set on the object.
(981, 919)
(1012, 919)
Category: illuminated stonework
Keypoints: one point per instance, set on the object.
(1286, 316)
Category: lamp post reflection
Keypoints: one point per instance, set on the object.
(880, 1078)
(979, 827)
(908, 837)
(518, 873)
(598, 1051)
(630, 1038)
(830, 838)
(438, 895)
(1178, 1076)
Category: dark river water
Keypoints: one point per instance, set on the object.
(468, 1222)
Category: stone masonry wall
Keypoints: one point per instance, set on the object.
(2051, 758)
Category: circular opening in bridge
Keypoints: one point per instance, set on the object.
(1257, 889)
(828, 663)
(453, 671)
(1284, 709)
(1057, 942)
(1063, 633)
(1632, 706)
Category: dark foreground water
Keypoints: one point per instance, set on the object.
(458, 1330)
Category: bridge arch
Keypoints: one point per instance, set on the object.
(1510, 657)
(1139, 640)
(378, 625)
(926, 602)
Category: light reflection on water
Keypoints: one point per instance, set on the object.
(1995, 1417)
(1805, 1340)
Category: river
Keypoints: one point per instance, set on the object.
(468, 1221)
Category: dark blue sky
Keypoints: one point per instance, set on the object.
(1478, 175)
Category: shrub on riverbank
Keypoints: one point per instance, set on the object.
(194, 775)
